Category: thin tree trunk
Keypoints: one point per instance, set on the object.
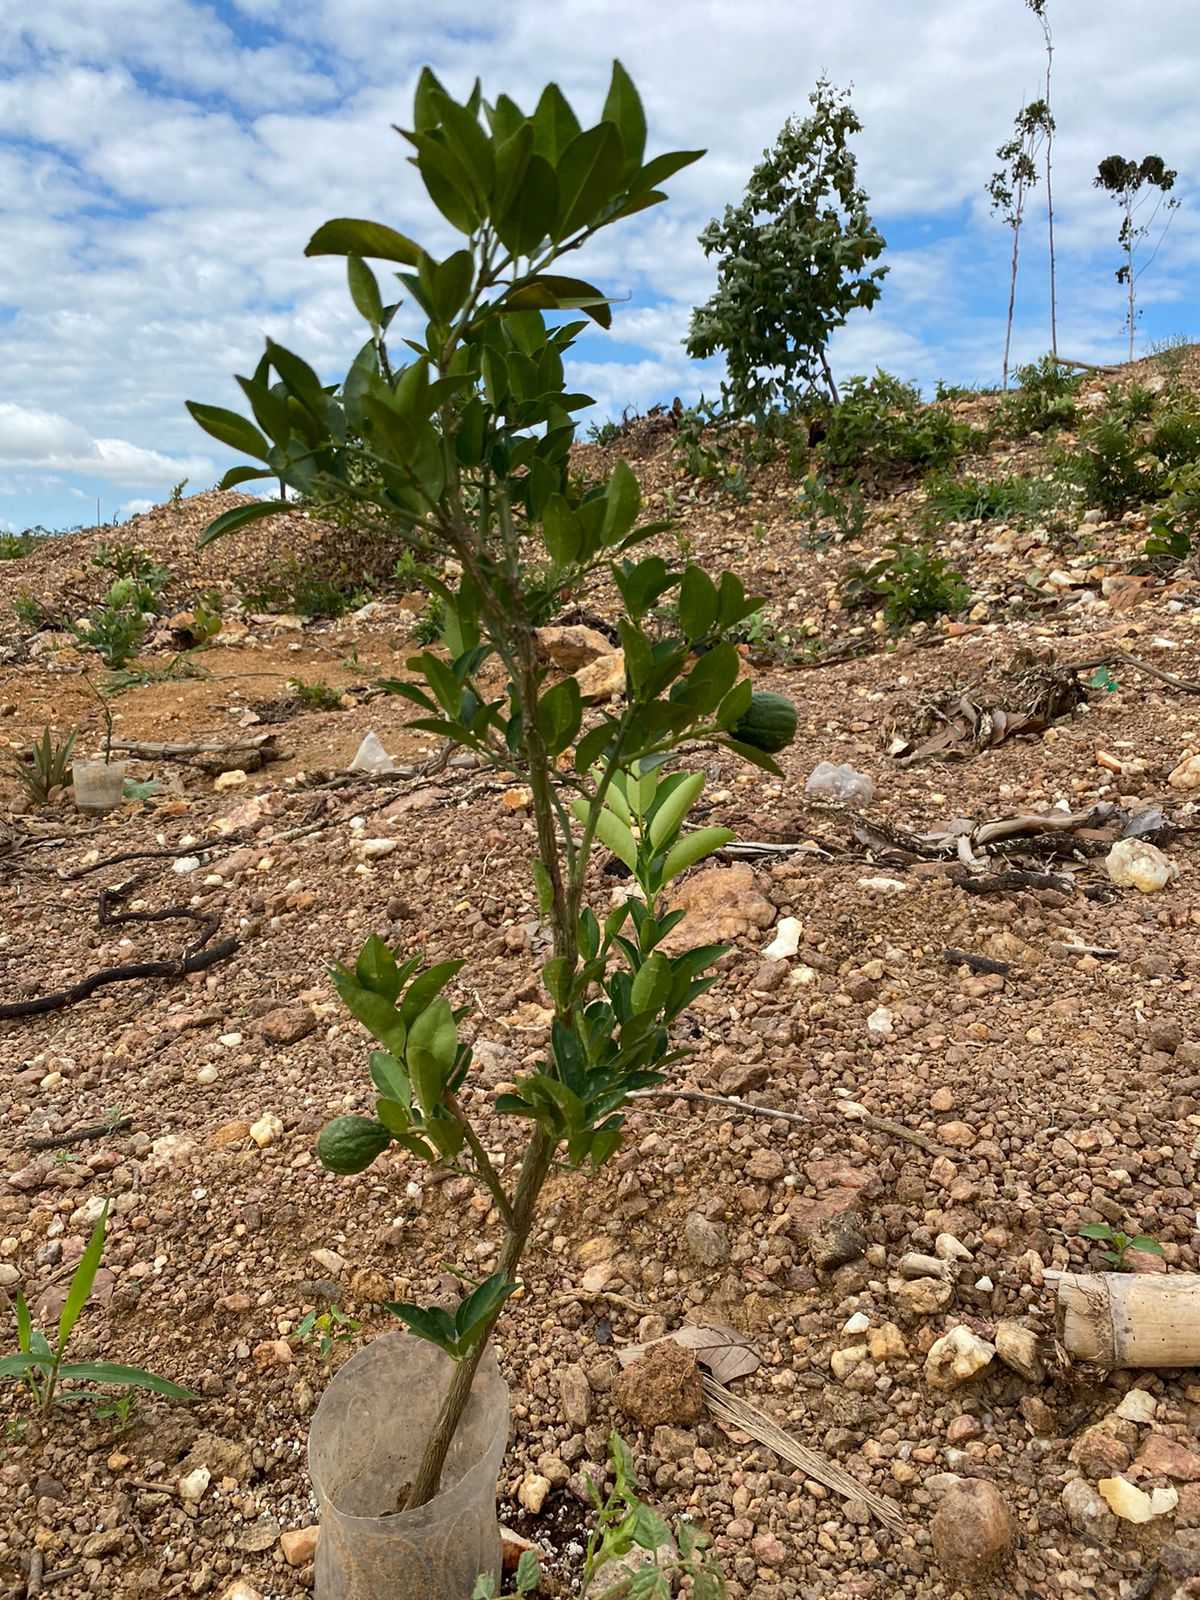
(1012, 282)
(1050, 191)
(833, 389)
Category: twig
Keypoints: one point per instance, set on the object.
(720, 1100)
(740, 1414)
(1101, 952)
(603, 1294)
(1189, 685)
(148, 1487)
(1008, 881)
(37, 1569)
(197, 849)
(964, 958)
(896, 1130)
(60, 1573)
(90, 1130)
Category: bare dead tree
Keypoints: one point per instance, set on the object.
(1009, 185)
(1038, 7)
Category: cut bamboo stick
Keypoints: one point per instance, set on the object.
(1129, 1319)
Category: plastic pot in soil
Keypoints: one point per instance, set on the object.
(364, 1448)
(98, 784)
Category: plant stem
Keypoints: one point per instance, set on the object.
(534, 1171)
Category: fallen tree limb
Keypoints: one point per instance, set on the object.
(1088, 366)
(1129, 1319)
(261, 744)
(197, 957)
(896, 1130)
(89, 1130)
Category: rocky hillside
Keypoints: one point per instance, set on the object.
(972, 991)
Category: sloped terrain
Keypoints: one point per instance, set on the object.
(1050, 1082)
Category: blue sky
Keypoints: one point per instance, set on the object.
(162, 163)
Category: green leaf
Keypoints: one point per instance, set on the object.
(376, 968)
(238, 517)
(555, 125)
(364, 291)
(126, 1377)
(18, 1366)
(423, 989)
(649, 1529)
(530, 218)
(390, 1078)
(559, 714)
(660, 168)
(589, 175)
(468, 142)
(237, 475)
(230, 429)
(377, 1015)
(697, 602)
(623, 499)
(24, 1326)
(651, 985)
(351, 236)
(556, 975)
(430, 1323)
(623, 106)
(474, 1314)
(82, 1279)
(756, 757)
(693, 847)
(528, 1573)
(432, 1048)
(551, 292)
(1096, 1230)
(674, 806)
(1143, 1241)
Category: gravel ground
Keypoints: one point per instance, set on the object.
(1063, 1091)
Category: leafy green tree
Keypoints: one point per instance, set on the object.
(460, 456)
(793, 262)
(1008, 187)
(1132, 185)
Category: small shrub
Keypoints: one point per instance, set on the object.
(1011, 498)
(1120, 1242)
(1175, 440)
(41, 1366)
(603, 433)
(291, 588)
(1137, 404)
(316, 695)
(820, 502)
(114, 632)
(1171, 353)
(1175, 528)
(427, 629)
(30, 612)
(1044, 401)
(43, 767)
(15, 546)
(910, 583)
(408, 573)
(177, 491)
(130, 561)
(881, 425)
(325, 1329)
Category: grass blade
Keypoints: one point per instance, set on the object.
(81, 1283)
(127, 1377)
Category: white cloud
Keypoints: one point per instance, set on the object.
(35, 438)
(162, 163)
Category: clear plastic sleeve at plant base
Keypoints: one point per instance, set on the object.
(98, 785)
(827, 781)
(364, 1447)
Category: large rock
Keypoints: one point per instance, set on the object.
(707, 1242)
(972, 1530)
(603, 679)
(1087, 1512)
(956, 1357)
(287, 1024)
(663, 1386)
(572, 647)
(719, 904)
(1161, 1457)
(1106, 1449)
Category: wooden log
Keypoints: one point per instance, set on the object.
(1129, 1319)
(1088, 366)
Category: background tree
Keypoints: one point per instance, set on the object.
(1008, 186)
(1132, 184)
(1038, 7)
(792, 262)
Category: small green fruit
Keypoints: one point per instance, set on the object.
(768, 724)
(350, 1144)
